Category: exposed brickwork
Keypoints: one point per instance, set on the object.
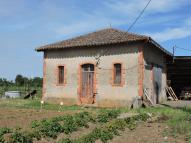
(140, 71)
(44, 76)
(57, 75)
(79, 90)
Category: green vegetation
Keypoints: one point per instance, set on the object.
(34, 104)
(52, 127)
(22, 84)
(62, 124)
(178, 119)
(4, 131)
(107, 125)
(106, 115)
(107, 131)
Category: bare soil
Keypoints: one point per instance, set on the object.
(144, 133)
(14, 118)
(74, 135)
(178, 104)
(147, 133)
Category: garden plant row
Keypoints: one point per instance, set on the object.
(54, 126)
(107, 131)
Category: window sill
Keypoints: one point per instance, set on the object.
(117, 85)
(64, 84)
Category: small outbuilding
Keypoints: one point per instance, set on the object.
(106, 68)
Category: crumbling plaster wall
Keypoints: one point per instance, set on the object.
(154, 57)
(106, 94)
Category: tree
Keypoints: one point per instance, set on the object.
(19, 80)
(36, 81)
(5, 82)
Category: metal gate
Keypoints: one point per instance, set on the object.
(87, 83)
(157, 83)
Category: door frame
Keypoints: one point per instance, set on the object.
(79, 90)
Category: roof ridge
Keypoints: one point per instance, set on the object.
(99, 37)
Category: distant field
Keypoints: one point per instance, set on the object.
(24, 121)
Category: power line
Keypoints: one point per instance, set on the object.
(183, 48)
(130, 27)
(141, 13)
(139, 16)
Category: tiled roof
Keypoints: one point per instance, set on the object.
(101, 37)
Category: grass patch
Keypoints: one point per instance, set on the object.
(33, 104)
(178, 119)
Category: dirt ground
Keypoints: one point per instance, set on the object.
(147, 133)
(14, 118)
(178, 104)
(144, 133)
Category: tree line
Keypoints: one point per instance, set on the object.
(22, 81)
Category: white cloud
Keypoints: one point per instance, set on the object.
(131, 8)
(70, 20)
(118, 13)
(173, 33)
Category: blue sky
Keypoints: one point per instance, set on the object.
(27, 24)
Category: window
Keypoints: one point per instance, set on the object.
(117, 74)
(61, 75)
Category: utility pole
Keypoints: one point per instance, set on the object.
(173, 53)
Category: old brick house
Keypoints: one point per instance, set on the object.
(106, 68)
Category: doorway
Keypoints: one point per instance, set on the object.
(87, 83)
(157, 83)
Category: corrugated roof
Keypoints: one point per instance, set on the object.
(101, 37)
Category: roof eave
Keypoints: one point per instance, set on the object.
(160, 47)
(46, 47)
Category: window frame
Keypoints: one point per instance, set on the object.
(58, 75)
(113, 74)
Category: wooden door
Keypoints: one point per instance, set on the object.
(87, 83)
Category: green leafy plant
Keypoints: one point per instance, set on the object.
(66, 140)
(18, 137)
(106, 115)
(107, 131)
(4, 131)
(50, 128)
